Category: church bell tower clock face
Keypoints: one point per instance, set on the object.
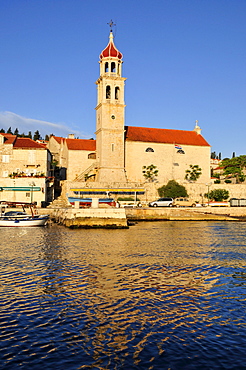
(110, 111)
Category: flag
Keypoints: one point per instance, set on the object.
(178, 147)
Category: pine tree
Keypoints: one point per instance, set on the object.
(36, 136)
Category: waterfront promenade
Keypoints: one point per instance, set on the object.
(120, 217)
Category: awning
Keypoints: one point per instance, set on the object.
(107, 191)
(21, 188)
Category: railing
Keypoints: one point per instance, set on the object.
(81, 176)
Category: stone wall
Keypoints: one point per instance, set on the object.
(90, 217)
(195, 190)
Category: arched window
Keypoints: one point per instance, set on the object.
(117, 93)
(113, 67)
(149, 150)
(106, 67)
(108, 92)
(92, 156)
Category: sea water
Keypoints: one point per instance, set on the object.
(160, 295)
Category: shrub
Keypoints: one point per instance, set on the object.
(127, 199)
(216, 175)
(227, 181)
(218, 195)
(172, 190)
(217, 181)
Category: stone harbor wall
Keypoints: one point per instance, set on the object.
(195, 190)
(90, 217)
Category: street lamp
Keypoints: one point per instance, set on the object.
(208, 185)
(32, 184)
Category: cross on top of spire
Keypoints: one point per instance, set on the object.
(111, 24)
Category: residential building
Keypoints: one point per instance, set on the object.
(75, 158)
(24, 170)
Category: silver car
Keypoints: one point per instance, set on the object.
(162, 202)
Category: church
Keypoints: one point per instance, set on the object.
(120, 152)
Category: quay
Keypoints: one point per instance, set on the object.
(123, 217)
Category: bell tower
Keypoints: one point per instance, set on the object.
(110, 115)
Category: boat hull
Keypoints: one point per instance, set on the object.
(26, 222)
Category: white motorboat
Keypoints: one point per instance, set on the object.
(20, 218)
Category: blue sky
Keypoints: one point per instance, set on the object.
(184, 60)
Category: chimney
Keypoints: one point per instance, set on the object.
(71, 136)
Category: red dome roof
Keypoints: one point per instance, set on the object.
(110, 50)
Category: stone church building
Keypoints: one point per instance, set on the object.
(119, 152)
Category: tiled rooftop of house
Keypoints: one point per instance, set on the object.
(58, 139)
(81, 144)
(9, 138)
(22, 142)
(25, 142)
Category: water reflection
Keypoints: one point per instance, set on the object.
(159, 295)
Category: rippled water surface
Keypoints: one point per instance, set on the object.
(161, 295)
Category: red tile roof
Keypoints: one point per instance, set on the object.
(58, 139)
(81, 144)
(167, 136)
(22, 142)
(26, 143)
(9, 138)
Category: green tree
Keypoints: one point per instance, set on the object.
(150, 172)
(233, 167)
(193, 173)
(9, 131)
(2, 131)
(218, 195)
(213, 155)
(16, 132)
(29, 134)
(172, 190)
(36, 136)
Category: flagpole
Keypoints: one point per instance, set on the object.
(173, 161)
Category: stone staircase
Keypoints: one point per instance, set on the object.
(60, 202)
(92, 169)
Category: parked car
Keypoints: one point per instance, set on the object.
(162, 202)
(183, 202)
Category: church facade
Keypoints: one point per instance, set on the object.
(122, 151)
